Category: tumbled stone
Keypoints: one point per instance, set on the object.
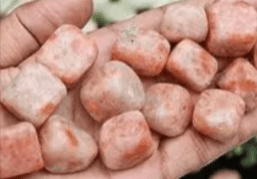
(19, 150)
(68, 54)
(239, 35)
(145, 51)
(241, 78)
(192, 65)
(184, 21)
(218, 113)
(66, 148)
(33, 94)
(112, 90)
(125, 141)
(168, 109)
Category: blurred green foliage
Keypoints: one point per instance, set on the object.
(114, 0)
(248, 153)
(101, 20)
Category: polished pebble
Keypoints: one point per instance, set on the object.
(232, 29)
(241, 78)
(184, 21)
(168, 109)
(125, 141)
(34, 94)
(145, 51)
(192, 65)
(65, 147)
(19, 150)
(218, 113)
(68, 54)
(111, 90)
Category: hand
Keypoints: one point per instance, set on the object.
(175, 157)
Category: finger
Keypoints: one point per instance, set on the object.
(25, 29)
(192, 150)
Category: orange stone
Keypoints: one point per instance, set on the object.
(184, 21)
(145, 51)
(33, 94)
(218, 113)
(192, 65)
(111, 90)
(239, 36)
(68, 54)
(19, 150)
(168, 109)
(241, 78)
(65, 147)
(126, 141)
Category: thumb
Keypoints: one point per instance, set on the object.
(25, 29)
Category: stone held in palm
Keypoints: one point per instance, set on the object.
(34, 94)
(68, 53)
(241, 78)
(218, 113)
(192, 65)
(184, 21)
(168, 108)
(146, 52)
(125, 141)
(65, 147)
(20, 151)
(232, 29)
(111, 90)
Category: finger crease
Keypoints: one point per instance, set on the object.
(201, 149)
(26, 28)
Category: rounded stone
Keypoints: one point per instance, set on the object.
(168, 109)
(184, 20)
(218, 113)
(241, 78)
(126, 141)
(65, 147)
(111, 90)
(232, 30)
(145, 51)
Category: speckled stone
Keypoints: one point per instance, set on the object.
(145, 51)
(33, 94)
(126, 141)
(239, 36)
(19, 150)
(241, 78)
(168, 109)
(68, 54)
(218, 113)
(66, 148)
(184, 21)
(111, 90)
(192, 65)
